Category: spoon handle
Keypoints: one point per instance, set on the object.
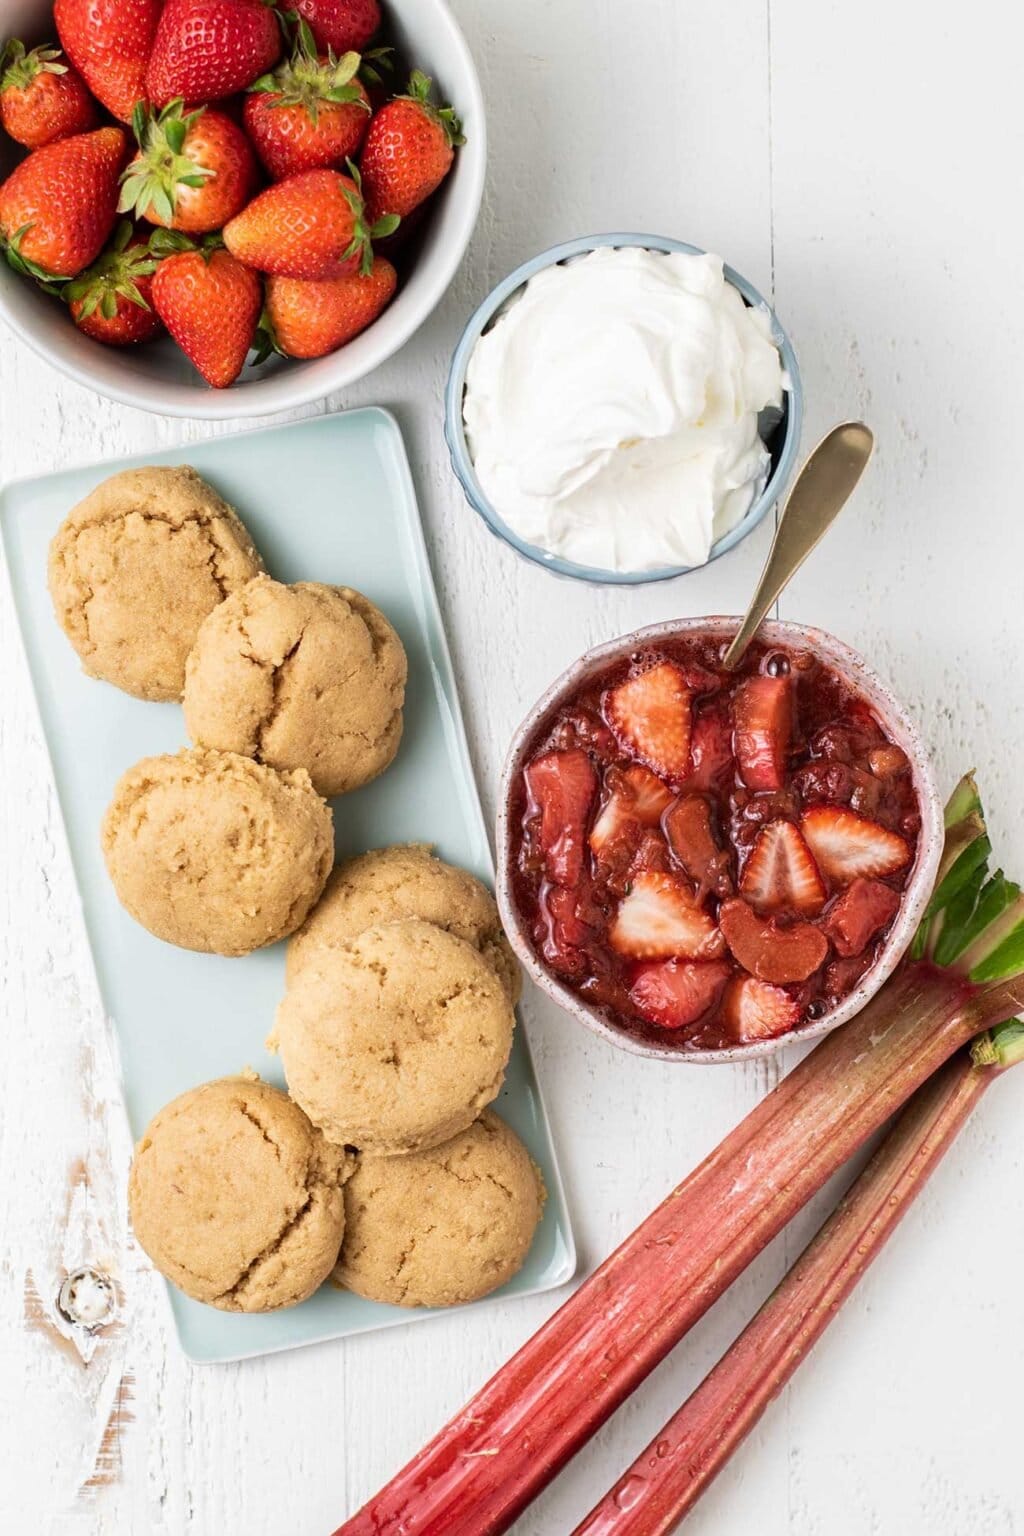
(822, 488)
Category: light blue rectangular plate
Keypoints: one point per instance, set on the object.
(330, 499)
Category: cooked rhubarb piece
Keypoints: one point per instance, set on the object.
(781, 874)
(755, 1010)
(561, 786)
(661, 918)
(691, 836)
(886, 762)
(846, 845)
(565, 935)
(651, 716)
(678, 993)
(762, 710)
(711, 757)
(766, 949)
(862, 909)
(636, 799)
(841, 976)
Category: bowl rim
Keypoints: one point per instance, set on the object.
(898, 724)
(458, 447)
(310, 381)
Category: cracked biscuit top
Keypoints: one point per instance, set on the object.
(303, 676)
(236, 1198)
(395, 1040)
(386, 885)
(136, 567)
(211, 851)
(444, 1226)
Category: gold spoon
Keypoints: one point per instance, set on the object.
(819, 494)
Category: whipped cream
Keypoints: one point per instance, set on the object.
(612, 410)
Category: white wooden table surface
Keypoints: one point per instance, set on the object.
(862, 165)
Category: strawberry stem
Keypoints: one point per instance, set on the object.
(669, 1476)
(19, 66)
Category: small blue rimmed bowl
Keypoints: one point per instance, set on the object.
(783, 444)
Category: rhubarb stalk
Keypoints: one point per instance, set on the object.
(669, 1476)
(480, 1471)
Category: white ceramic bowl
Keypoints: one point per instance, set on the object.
(898, 726)
(159, 377)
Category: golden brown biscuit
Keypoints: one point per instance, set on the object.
(443, 1226)
(395, 1040)
(136, 567)
(236, 1198)
(306, 676)
(389, 884)
(212, 851)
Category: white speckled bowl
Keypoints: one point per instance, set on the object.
(158, 377)
(854, 670)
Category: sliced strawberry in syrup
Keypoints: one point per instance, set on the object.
(636, 798)
(678, 993)
(755, 1010)
(711, 758)
(768, 950)
(762, 715)
(846, 845)
(659, 918)
(781, 874)
(650, 715)
(861, 911)
(690, 829)
(562, 786)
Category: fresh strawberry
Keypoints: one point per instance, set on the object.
(781, 874)
(309, 226)
(211, 305)
(691, 836)
(636, 799)
(194, 170)
(109, 43)
(207, 49)
(711, 756)
(341, 24)
(859, 914)
(309, 319)
(41, 98)
(767, 950)
(112, 301)
(678, 993)
(650, 715)
(660, 918)
(310, 113)
(846, 845)
(755, 1010)
(762, 723)
(561, 786)
(59, 205)
(409, 150)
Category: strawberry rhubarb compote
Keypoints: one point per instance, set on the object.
(717, 854)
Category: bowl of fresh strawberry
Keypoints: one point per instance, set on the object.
(204, 194)
(703, 864)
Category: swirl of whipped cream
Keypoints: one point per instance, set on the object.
(612, 410)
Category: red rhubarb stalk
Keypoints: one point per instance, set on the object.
(479, 1473)
(669, 1476)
